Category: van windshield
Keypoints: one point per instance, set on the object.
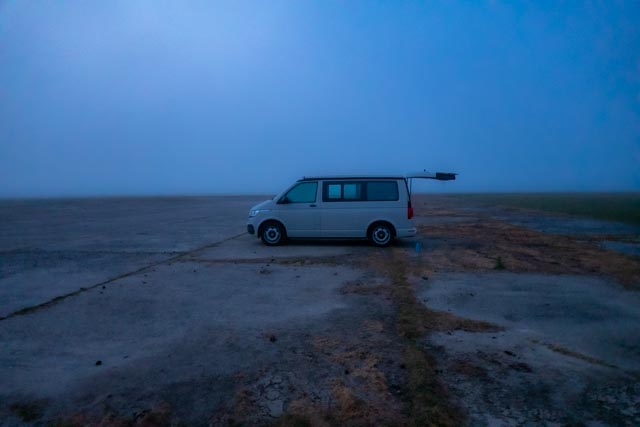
(305, 192)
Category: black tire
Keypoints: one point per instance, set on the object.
(272, 233)
(381, 234)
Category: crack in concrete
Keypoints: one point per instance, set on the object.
(303, 260)
(61, 298)
(575, 354)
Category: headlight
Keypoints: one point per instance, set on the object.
(254, 212)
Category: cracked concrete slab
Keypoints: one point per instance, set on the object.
(28, 279)
(150, 331)
(50, 248)
(565, 224)
(630, 248)
(209, 324)
(162, 224)
(569, 343)
(249, 247)
(586, 314)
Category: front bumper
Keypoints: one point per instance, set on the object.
(251, 229)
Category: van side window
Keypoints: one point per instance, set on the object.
(305, 192)
(342, 191)
(351, 191)
(382, 191)
(333, 191)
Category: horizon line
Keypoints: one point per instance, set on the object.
(260, 194)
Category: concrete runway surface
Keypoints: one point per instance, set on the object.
(161, 311)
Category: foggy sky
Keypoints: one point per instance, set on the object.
(201, 97)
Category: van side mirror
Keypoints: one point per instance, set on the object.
(283, 200)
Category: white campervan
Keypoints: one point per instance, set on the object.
(339, 207)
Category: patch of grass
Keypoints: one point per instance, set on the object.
(293, 420)
(469, 369)
(348, 407)
(426, 397)
(428, 404)
(623, 207)
(474, 246)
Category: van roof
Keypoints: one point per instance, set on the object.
(313, 178)
(439, 176)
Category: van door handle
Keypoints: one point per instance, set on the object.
(312, 206)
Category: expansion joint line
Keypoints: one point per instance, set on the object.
(61, 298)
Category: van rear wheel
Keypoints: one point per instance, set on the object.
(272, 234)
(381, 234)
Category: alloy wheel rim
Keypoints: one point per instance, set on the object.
(381, 235)
(272, 234)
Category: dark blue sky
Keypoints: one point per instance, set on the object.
(155, 97)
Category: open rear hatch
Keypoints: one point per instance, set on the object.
(439, 176)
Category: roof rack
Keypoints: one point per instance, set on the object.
(308, 178)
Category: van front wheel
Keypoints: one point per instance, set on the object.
(381, 234)
(272, 234)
